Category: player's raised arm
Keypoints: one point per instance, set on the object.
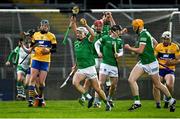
(97, 47)
(73, 24)
(84, 23)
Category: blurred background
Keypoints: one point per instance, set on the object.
(156, 14)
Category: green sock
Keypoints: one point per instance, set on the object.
(19, 83)
(168, 98)
(105, 101)
(136, 97)
(19, 87)
(87, 95)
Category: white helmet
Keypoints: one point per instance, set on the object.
(166, 35)
(83, 29)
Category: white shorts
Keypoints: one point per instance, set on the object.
(98, 62)
(89, 72)
(111, 71)
(151, 69)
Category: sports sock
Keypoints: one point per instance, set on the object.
(109, 97)
(87, 95)
(41, 91)
(31, 92)
(136, 99)
(19, 87)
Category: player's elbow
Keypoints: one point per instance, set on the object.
(140, 51)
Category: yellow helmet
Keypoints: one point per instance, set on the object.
(138, 23)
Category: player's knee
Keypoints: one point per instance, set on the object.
(100, 83)
(131, 80)
(75, 83)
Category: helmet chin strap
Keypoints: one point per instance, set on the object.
(137, 31)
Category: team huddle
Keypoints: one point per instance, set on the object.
(97, 50)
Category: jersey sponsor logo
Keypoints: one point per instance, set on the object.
(166, 55)
(143, 39)
(44, 43)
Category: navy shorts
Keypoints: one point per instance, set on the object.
(164, 72)
(40, 65)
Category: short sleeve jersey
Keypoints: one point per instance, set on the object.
(45, 41)
(147, 56)
(167, 53)
(84, 53)
(110, 45)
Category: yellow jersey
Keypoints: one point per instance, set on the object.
(166, 53)
(45, 41)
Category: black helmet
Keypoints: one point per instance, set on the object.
(44, 21)
(116, 27)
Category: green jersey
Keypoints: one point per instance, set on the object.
(147, 56)
(14, 56)
(97, 36)
(110, 45)
(106, 29)
(84, 53)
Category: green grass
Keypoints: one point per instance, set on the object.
(72, 109)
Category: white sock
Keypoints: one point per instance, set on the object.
(88, 96)
(171, 101)
(137, 102)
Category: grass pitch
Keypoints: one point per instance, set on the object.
(72, 109)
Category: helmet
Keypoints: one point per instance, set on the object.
(166, 35)
(138, 23)
(116, 27)
(83, 29)
(97, 22)
(44, 21)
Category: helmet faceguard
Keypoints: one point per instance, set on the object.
(166, 37)
(44, 26)
(82, 32)
(116, 29)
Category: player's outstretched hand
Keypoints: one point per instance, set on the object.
(100, 55)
